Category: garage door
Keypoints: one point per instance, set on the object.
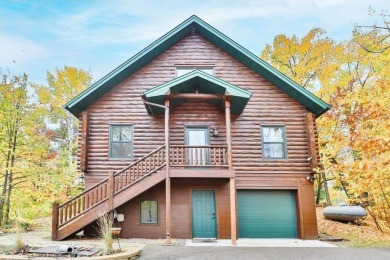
(267, 214)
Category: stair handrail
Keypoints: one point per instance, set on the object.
(106, 179)
(105, 190)
(139, 160)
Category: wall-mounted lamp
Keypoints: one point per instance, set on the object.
(215, 131)
(310, 178)
(120, 217)
(81, 179)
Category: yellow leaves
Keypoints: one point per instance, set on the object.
(44, 96)
(354, 135)
(304, 60)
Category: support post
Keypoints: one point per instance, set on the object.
(233, 218)
(168, 179)
(54, 222)
(228, 132)
(84, 142)
(111, 188)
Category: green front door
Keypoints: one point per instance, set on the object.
(203, 214)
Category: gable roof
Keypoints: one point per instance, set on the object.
(202, 82)
(305, 97)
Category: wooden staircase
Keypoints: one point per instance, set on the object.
(120, 187)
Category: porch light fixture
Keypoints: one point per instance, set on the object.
(120, 217)
(215, 131)
(310, 178)
(81, 179)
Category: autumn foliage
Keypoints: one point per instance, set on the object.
(354, 136)
(38, 143)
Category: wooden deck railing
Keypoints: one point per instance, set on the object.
(108, 187)
(104, 191)
(198, 156)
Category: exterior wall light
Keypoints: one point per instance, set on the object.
(215, 131)
(310, 178)
(121, 217)
(81, 179)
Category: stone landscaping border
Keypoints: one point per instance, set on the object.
(124, 255)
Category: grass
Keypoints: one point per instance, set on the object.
(365, 235)
(105, 225)
(5, 249)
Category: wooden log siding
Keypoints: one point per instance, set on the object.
(312, 140)
(268, 105)
(83, 141)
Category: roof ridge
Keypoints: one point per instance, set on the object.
(140, 59)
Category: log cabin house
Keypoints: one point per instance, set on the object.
(196, 137)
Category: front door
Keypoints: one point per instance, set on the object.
(203, 214)
(198, 138)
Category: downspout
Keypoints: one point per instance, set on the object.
(167, 178)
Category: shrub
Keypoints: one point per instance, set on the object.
(105, 225)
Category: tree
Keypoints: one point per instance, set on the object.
(37, 142)
(374, 38)
(21, 140)
(307, 61)
(311, 61)
(63, 85)
(354, 135)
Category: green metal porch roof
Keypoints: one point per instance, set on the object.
(87, 97)
(205, 84)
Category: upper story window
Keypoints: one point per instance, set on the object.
(121, 141)
(183, 70)
(274, 142)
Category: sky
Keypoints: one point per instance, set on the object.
(41, 35)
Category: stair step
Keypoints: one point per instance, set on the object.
(119, 199)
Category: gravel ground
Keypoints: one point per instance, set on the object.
(42, 237)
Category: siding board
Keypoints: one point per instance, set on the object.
(268, 105)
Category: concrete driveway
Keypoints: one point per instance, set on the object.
(263, 242)
(227, 253)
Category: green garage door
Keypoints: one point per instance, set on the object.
(266, 214)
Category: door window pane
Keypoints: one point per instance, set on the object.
(149, 212)
(196, 137)
(197, 155)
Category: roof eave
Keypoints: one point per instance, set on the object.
(80, 102)
(323, 112)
